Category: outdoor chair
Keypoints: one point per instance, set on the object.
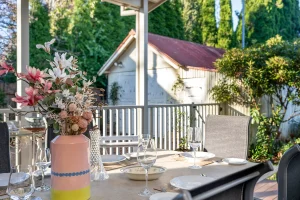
(288, 175)
(227, 136)
(4, 148)
(237, 186)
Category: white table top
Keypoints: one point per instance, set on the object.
(119, 187)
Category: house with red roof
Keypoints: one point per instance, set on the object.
(178, 71)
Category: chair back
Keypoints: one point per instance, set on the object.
(237, 186)
(288, 175)
(227, 136)
(4, 148)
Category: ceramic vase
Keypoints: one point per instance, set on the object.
(70, 168)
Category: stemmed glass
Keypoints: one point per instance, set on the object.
(20, 184)
(194, 139)
(43, 160)
(146, 157)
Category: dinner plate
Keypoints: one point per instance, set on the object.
(47, 172)
(112, 159)
(15, 178)
(138, 173)
(190, 182)
(235, 161)
(133, 155)
(200, 155)
(163, 196)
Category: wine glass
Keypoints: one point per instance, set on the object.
(43, 161)
(146, 157)
(20, 184)
(194, 140)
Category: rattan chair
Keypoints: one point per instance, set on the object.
(237, 186)
(227, 136)
(4, 148)
(288, 175)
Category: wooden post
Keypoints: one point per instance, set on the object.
(142, 65)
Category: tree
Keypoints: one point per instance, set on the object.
(270, 70)
(166, 20)
(225, 31)
(208, 23)
(39, 33)
(192, 20)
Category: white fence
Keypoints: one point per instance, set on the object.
(167, 123)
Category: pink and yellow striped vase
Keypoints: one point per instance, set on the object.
(70, 168)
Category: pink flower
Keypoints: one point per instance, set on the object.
(72, 107)
(82, 123)
(63, 114)
(31, 99)
(34, 75)
(19, 99)
(83, 130)
(5, 68)
(47, 86)
(87, 115)
(33, 96)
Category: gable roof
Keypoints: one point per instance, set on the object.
(176, 52)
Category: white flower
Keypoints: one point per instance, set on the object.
(59, 103)
(57, 73)
(60, 61)
(46, 47)
(66, 93)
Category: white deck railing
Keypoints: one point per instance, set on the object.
(167, 123)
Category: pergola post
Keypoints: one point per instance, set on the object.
(22, 41)
(22, 61)
(142, 64)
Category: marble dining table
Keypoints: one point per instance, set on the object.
(119, 187)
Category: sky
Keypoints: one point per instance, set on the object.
(236, 6)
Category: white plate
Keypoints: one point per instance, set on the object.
(200, 155)
(163, 196)
(138, 173)
(47, 172)
(112, 159)
(133, 155)
(15, 178)
(190, 182)
(235, 161)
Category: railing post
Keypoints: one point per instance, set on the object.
(192, 115)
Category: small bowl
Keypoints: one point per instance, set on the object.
(137, 173)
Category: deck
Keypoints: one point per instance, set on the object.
(266, 190)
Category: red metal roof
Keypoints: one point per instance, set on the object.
(187, 54)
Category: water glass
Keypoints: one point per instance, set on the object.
(195, 140)
(43, 161)
(146, 157)
(20, 184)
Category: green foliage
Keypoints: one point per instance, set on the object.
(208, 23)
(269, 70)
(114, 93)
(183, 143)
(178, 85)
(39, 33)
(192, 20)
(225, 31)
(165, 20)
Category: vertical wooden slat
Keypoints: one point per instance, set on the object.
(123, 128)
(111, 129)
(169, 115)
(165, 127)
(160, 127)
(129, 124)
(155, 125)
(117, 129)
(104, 127)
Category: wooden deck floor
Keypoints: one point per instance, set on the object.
(266, 190)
